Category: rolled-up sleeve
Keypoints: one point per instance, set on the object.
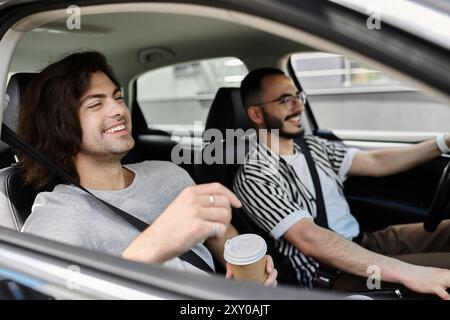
(340, 157)
(284, 225)
(347, 163)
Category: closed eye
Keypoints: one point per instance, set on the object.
(94, 105)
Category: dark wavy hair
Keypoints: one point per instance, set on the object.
(48, 118)
(251, 85)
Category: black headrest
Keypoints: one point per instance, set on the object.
(227, 111)
(14, 92)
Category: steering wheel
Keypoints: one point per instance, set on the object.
(440, 204)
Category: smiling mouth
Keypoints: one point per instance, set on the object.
(116, 129)
(295, 119)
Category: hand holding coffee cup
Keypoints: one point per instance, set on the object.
(246, 255)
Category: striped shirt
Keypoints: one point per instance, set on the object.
(274, 196)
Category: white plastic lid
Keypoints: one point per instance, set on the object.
(245, 249)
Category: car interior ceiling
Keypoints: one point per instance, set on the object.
(119, 30)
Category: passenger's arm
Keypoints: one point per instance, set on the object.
(383, 162)
(189, 219)
(330, 248)
(217, 245)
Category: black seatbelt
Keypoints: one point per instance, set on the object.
(321, 218)
(325, 274)
(11, 138)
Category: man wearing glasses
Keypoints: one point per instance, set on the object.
(277, 191)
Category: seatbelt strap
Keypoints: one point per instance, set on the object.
(325, 275)
(321, 218)
(11, 138)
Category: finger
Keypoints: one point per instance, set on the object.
(269, 264)
(218, 200)
(213, 214)
(271, 280)
(443, 294)
(229, 273)
(217, 188)
(447, 279)
(216, 230)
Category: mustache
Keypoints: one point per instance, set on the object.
(293, 116)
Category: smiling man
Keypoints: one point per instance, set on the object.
(277, 191)
(73, 112)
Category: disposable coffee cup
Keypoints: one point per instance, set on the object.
(246, 254)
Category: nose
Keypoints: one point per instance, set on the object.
(302, 106)
(298, 106)
(116, 108)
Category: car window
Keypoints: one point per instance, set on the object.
(354, 100)
(177, 98)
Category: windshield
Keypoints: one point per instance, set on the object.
(429, 20)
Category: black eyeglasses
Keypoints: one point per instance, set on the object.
(289, 101)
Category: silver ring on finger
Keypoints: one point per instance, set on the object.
(211, 199)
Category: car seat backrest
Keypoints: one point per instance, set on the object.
(14, 91)
(227, 111)
(16, 199)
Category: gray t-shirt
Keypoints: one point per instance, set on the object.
(69, 215)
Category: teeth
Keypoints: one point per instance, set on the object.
(117, 128)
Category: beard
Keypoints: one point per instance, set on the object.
(108, 152)
(273, 123)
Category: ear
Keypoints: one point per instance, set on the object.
(255, 115)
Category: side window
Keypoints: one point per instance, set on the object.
(177, 98)
(358, 102)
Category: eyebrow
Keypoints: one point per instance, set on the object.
(98, 95)
(286, 95)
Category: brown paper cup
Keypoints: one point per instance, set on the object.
(253, 272)
(246, 255)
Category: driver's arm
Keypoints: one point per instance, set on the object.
(334, 250)
(330, 248)
(383, 162)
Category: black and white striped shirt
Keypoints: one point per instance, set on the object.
(273, 195)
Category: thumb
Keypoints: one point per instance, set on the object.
(229, 274)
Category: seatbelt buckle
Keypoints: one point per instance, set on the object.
(324, 279)
(322, 282)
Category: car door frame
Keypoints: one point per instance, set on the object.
(314, 17)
